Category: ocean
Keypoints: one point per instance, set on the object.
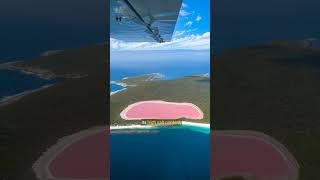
(14, 82)
(30, 29)
(171, 64)
(171, 153)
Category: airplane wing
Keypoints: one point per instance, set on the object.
(143, 20)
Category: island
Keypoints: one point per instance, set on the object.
(191, 92)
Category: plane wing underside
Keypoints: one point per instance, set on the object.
(143, 20)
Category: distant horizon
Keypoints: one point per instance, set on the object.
(161, 56)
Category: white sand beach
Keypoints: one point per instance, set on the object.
(137, 126)
(196, 124)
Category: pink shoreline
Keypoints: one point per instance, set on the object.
(91, 161)
(157, 109)
(83, 159)
(250, 154)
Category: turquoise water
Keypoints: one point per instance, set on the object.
(194, 128)
(166, 153)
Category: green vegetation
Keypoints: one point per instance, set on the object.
(136, 80)
(273, 89)
(193, 89)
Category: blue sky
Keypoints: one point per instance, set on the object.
(192, 31)
(194, 18)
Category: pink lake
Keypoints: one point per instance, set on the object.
(161, 110)
(87, 158)
(250, 155)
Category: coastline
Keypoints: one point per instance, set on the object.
(154, 76)
(203, 125)
(277, 145)
(125, 85)
(136, 126)
(119, 83)
(15, 97)
(10, 99)
(41, 73)
(114, 92)
(41, 166)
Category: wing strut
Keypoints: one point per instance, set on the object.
(155, 35)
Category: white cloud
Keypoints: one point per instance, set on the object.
(189, 23)
(198, 18)
(184, 13)
(178, 33)
(184, 5)
(190, 42)
(194, 29)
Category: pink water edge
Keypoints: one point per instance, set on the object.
(161, 110)
(247, 155)
(84, 159)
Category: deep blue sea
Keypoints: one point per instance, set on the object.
(29, 29)
(172, 153)
(14, 82)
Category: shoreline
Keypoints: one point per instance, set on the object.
(31, 71)
(203, 125)
(6, 100)
(123, 114)
(114, 92)
(41, 165)
(277, 145)
(155, 75)
(137, 126)
(134, 126)
(125, 85)
(10, 66)
(40, 73)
